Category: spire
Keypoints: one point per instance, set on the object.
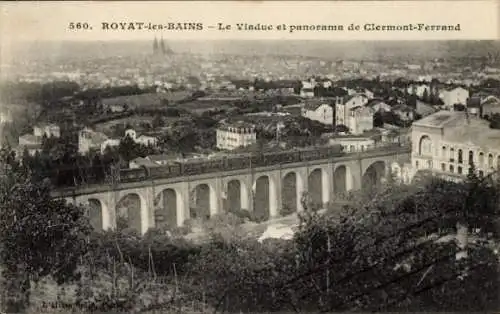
(155, 46)
(162, 45)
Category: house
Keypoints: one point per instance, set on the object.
(490, 107)
(360, 90)
(378, 105)
(419, 90)
(307, 90)
(318, 110)
(483, 103)
(31, 143)
(424, 109)
(49, 130)
(110, 142)
(141, 139)
(235, 135)
(294, 110)
(147, 140)
(115, 108)
(161, 159)
(360, 119)
(5, 117)
(353, 143)
(141, 162)
(344, 104)
(89, 139)
(454, 95)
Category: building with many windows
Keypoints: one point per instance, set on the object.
(343, 106)
(360, 119)
(446, 142)
(232, 136)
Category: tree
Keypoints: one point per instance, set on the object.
(39, 237)
(459, 107)
(128, 148)
(157, 122)
(425, 96)
(378, 119)
(495, 121)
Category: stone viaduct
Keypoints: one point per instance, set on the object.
(265, 189)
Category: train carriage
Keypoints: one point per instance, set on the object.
(133, 175)
(165, 171)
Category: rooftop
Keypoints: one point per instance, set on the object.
(476, 132)
(162, 157)
(237, 124)
(31, 138)
(441, 119)
(458, 129)
(491, 101)
(313, 104)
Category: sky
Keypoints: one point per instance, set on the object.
(29, 21)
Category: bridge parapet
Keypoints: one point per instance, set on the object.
(209, 172)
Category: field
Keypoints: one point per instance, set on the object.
(146, 100)
(198, 107)
(134, 120)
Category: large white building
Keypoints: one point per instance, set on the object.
(447, 142)
(232, 136)
(343, 106)
(360, 119)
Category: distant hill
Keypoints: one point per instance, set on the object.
(328, 50)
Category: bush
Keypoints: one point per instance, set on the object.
(241, 213)
(223, 220)
(285, 211)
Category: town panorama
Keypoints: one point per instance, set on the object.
(170, 136)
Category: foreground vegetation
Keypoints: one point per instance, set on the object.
(389, 252)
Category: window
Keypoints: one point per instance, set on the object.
(443, 151)
(481, 159)
(460, 156)
(452, 169)
(471, 157)
(481, 173)
(416, 164)
(429, 164)
(425, 147)
(443, 166)
(490, 160)
(452, 155)
(460, 170)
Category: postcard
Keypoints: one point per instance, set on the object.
(249, 156)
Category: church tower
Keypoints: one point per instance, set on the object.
(162, 46)
(155, 46)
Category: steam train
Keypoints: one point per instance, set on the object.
(227, 163)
